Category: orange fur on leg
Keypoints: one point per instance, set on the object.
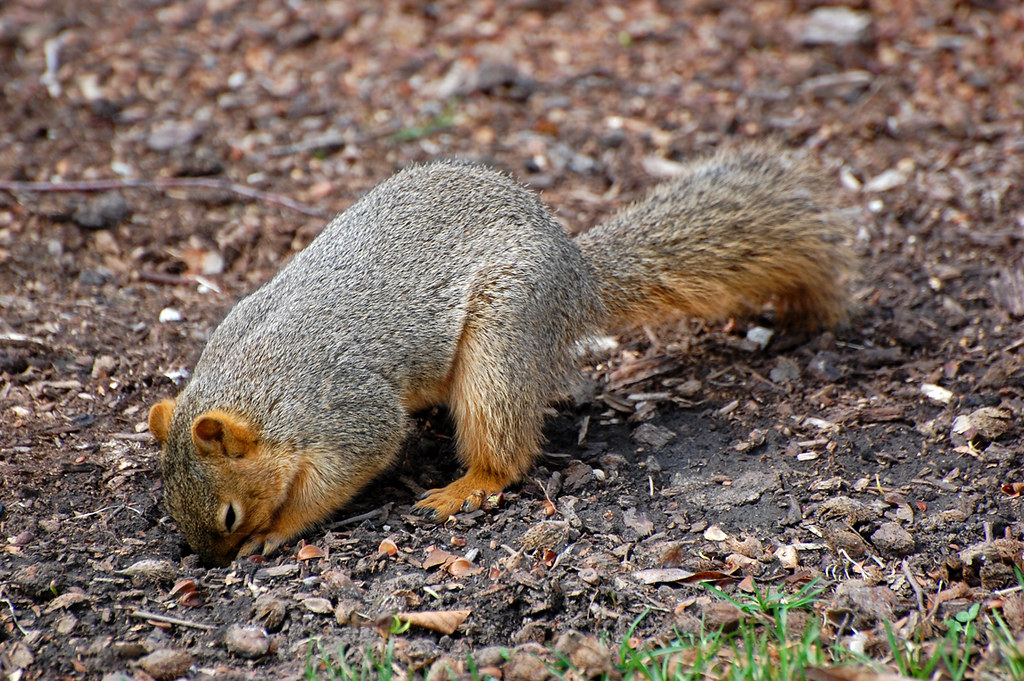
(497, 427)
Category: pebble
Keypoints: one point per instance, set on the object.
(102, 212)
(103, 366)
(320, 606)
(652, 435)
(525, 665)
(784, 371)
(846, 85)
(250, 642)
(877, 603)
(270, 611)
(169, 314)
(760, 335)
(167, 135)
(834, 26)
(587, 653)
(891, 539)
(166, 663)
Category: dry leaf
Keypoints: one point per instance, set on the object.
(444, 621)
(184, 586)
(67, 599)
(150, 570)
(661, 575)
(438, 557)
(715, 533)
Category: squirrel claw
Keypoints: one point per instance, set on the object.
(465, 494)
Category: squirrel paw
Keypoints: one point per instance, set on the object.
(465, 494)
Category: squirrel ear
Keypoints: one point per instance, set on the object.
(160, 419)
(217, 433)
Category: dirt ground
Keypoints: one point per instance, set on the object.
(885, 458)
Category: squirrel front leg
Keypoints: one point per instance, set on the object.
(497, 411)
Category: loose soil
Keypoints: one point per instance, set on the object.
(881, 457)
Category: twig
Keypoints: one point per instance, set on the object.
(14, 616)
(161, 183)
(167, 619)
(356, 519)
(915, 586)
(132, 437)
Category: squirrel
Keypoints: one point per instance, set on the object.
(450, 283)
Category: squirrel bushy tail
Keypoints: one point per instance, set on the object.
(730, 233)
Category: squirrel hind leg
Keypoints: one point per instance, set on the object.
(497, 406)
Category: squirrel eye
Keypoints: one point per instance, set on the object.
(232, 516)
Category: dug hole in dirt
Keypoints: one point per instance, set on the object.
(884, 459)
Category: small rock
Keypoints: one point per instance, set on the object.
(847, 85)
(321, 606)
(892, 178)
(591, 657)
(270, 611)
(167, 135)
(870, 604)
(198, 162)
(169, 314)
(103, 366)
(66, 624)
(20, 655)
(491, 656)
(724, 616)
(840, 539)
(102, 212)
(891, 539)
(760, 335)
(94, 277)
(652, 435)
(166, 663)
(526, 665)
(250, 642)
(116, 676)
(823, 367)
(834, 26)
(445, 668)
(784, 371)
(936, 393)
(689, 388)
(128, 650)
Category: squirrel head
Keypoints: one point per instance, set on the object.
(223, 486)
